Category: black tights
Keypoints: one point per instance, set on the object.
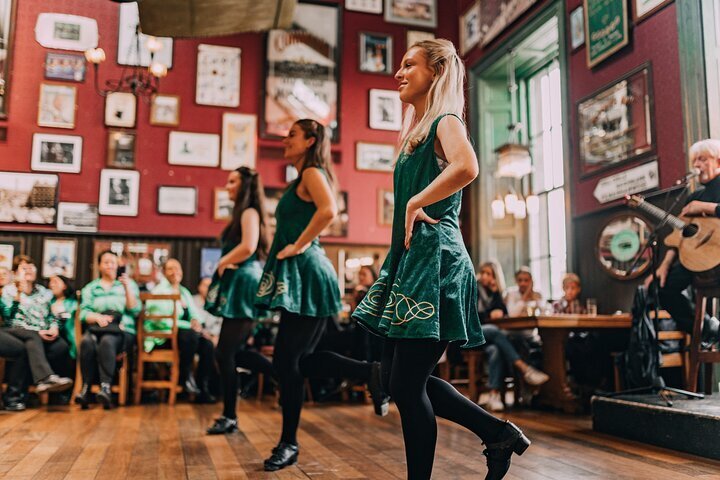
(407, 366)
(295, 358)
(233, 335)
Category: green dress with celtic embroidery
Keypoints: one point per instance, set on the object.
(305, 284)
(428, 291)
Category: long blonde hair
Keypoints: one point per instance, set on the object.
(446, 94)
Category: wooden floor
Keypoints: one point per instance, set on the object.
(337, 442)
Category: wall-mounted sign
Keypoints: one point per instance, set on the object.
(633, 180)
(606, 28)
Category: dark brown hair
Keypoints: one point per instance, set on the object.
(18, 259)
(318, 154)
(250, 195)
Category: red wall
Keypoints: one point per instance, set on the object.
(151, 146)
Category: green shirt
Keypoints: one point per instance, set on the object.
(95, 299)
(32, 312)
(67, 320)
(164, 307)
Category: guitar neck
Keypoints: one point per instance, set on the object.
(660, 214)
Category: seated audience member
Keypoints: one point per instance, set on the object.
(502, 356)
(521, 296)
(190, 338)
(109, 307)
(64, 305)
(28, 318)
(570, 302)
(5, 278)
(211, 323)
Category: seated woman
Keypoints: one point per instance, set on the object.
(570, 302)
(522, 295)
(109, 306)
(190, 338)
(502, 356)
(64, 305)
(28, 319)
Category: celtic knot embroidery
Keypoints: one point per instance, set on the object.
(281, 288)
(408, 309)
(266, 284)
(373, 299)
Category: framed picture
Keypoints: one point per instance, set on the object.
(120, 108)
(302, 81)
(59, 255)
(422, 13)
(642, 9)
(121, 149)
(57, 106)
(365, 6)
(339, 226)
(385, 110)
(415, 36)
(68, 67)
(9, 247)
(375, 157)
(606, 29)
(143, 261)
(615, 124)
(222, 205)
(194, 149)
(218, 76)
(66, 32)
(209, 258)
(28, 198)
(496, 16)
(165, 110)
(386, 207)
(7, 30)
(127, 53)
(119, 192)
(470, 33)
(177, 200)
(77, 217)
(376, 53)
(56, 153)
(239, 141)
(577, 28)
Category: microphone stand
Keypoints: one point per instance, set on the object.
(658, 383)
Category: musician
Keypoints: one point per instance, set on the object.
(673, 277)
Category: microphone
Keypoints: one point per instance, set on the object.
(694, 173)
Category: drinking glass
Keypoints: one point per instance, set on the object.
(591, 306)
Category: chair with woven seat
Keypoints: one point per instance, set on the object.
(170, 355)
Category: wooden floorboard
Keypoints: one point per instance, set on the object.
(337, 442)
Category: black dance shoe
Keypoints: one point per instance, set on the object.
(190, 386)
(511, 440)
(284, 455)
(83, 397)
(223, 425)
(104, 396)
(381, 400)
(14, 405)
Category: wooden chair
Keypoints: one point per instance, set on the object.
(158, 355)
(704, 289)
(472, 367)
(43, 397)
(121, 389)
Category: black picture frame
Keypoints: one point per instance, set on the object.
(382, 42)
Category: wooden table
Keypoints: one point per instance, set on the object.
(554, 330)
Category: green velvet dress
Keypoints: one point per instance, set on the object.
(428, 291)
(305, 284)
(233, 294)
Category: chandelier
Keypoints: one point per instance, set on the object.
(140, 81)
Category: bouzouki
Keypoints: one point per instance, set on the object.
(697, 239)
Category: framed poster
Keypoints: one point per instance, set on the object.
(222, 205)
(177, 200)
(165, 110)
(642, 9)
(376, 53)
(121, 149)
(77, 217)
(239, 141)
(56, 153)
(470, 28)
(68, 67)
(606, 28)
(194, 149)
(496, 16)
(59, 257)
(209, 258)
(120, 109)
(386, 207)
(385, 110)
(57, 106)
(577, 28)
(415, 36)
(28, 198)
(375, 157)
(127, 52)
(218, 76)
(616, 123)
(301, 71)
(119, 190)
(66, 32)
(7, 30)
(422, 13)
(143, 261)
(365, 6)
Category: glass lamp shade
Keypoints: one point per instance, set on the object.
(511, 201)
(497, 207)
(514, 161)
(95, 55)
(520, 210)
(533, 204)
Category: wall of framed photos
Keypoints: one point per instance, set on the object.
(104, 143)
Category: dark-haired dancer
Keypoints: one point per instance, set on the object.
(300, 281)
(232, 292)
(426, 293)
